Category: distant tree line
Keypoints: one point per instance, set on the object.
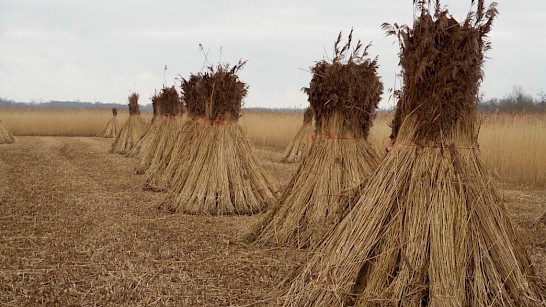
(7, 103)
(517, 101)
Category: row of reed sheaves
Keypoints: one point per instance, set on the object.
(428, 227)
(203, 162)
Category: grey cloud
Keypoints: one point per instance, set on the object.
(100, 49)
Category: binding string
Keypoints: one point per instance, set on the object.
(328, 135)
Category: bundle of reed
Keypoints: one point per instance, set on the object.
(151, 130)
(112, 128)
(162, 159)
(160, 144)
(5, 136)
(166, 143)
(299, 146)
(132, 130)
(221, 175)
(430, 228)
(193, 95)
(344, 94)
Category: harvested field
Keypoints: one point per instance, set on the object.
(77, 228)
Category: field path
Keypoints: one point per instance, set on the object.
(77, 228)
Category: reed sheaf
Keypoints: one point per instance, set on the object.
(300, 144)
(216, 172)
(429, 228)
(112, 128)
(159, 136)
(150, 131)
(169, 134)
(344, 93)
(5, 136)
(132, 130)
(176, 162)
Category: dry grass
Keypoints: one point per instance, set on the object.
(512, 146)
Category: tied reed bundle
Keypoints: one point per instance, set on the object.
(133, 129)
(193, 94)
(174, 125)
(221, 174)
(168, 126)
(143, 144)
(344, 94)
(112, 128)
(429, 227)
(5, 136)
(299, 147)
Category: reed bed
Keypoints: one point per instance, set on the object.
(60, 122)
(272, 130)
(512, 145)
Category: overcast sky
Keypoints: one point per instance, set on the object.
(100, 50)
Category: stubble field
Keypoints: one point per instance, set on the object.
(76, 227)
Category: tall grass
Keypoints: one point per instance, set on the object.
(271, 129)
(513, 146)
(54, 122)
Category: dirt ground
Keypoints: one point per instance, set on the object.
(76, 228)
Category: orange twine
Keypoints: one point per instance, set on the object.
(217, 122)
(330, 136)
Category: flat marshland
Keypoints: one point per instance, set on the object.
(76, 227)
